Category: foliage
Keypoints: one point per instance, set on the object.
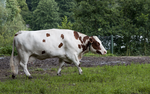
(134, 27)
(65, 8)
(91, 15)
(65, 24)
(23, 5)
(28, 15)
(3, 17)
(14, 19)
(6, 41)
(127, 20)
(32, 4)
(10, 24)
(46, 15)
(129, 79)
(7, 50)
(24, 10)
(13, 8)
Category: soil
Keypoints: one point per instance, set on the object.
(47, 64)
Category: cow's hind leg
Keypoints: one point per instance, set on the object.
(61, 63)
(23, 63)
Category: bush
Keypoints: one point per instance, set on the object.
(7, 50)
(6, 40)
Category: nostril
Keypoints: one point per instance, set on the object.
(105, 52)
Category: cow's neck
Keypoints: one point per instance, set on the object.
(89, 46)
(86, 44)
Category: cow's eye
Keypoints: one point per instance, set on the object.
(98, 43)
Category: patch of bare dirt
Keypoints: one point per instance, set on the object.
(85, 62)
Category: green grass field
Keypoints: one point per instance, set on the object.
(130, 79)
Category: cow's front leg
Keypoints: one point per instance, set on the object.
(79, 68)
(77, 63)
(74, 58)
(61, 63)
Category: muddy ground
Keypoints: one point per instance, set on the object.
(85, 62)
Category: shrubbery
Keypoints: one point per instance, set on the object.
(6, 42)
(7, 50)
(10, 22)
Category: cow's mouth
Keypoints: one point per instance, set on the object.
(98, 52)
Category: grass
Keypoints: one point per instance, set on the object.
(130, 79)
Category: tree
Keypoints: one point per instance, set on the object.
(25, 13)
(3, 17)
(129, 20)
(134, 26)
(22, 4)
(11, 22)
(32, 4)
(14, 19)
(91, 15)
(65, 8)
(46, 15)
(65, 24)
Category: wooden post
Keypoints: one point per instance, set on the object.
(112, 44)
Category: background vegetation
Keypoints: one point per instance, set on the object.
(127, 20)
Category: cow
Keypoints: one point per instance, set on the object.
(67, 45)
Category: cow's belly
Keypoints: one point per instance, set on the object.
(50, 55)
(40, 57)
(63, 57)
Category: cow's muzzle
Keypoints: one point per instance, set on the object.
(105, 52)
(101, 53)
(98, 52)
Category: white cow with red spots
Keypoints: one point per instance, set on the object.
(67, 45)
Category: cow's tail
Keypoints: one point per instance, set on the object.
(12, 63)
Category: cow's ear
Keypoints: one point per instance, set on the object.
(91, 40)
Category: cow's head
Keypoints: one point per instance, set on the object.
(96, 45)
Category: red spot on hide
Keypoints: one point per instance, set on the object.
(80, 39)
(85, 38)
(79, 46)
(62, 36)
(47, 34)
(76, 35)
(60, 45)
(43, 40)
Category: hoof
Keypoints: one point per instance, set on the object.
(13, 76)
(29, 77)
(80, 73)
(59, 74)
